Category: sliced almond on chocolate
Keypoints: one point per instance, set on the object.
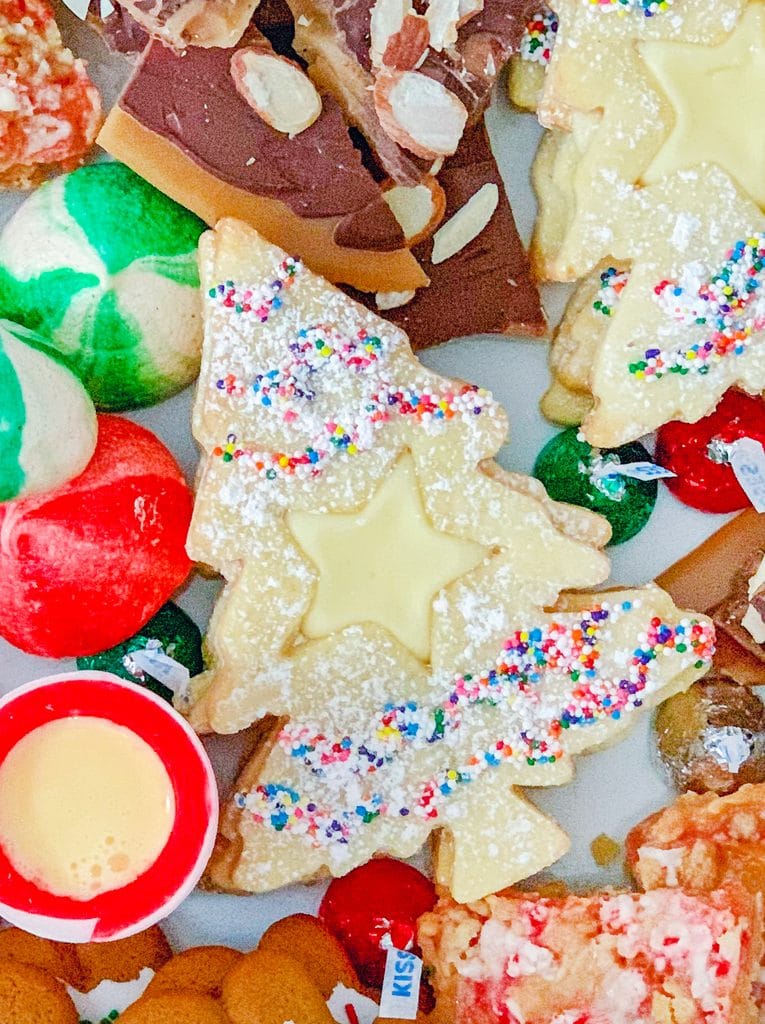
(392, 300)
(468, 9)
(417, 208)
(443, 17)
(385, 20)
(419, 113)
(407, 48)
(466, 224)
(277, 89)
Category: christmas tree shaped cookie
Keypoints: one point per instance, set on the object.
(662, 331)
(639, 98)
(389, 616)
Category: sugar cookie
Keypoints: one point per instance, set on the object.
(375, 553)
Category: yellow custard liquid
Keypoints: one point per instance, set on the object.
(86, 806)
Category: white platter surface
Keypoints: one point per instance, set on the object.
(613, 789)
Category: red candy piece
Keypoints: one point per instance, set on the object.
(85, 566)
(684, 448)
(381, 899)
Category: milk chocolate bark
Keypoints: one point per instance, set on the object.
(334, 37)
(181, 124)
(714, 578)
(120, 30)
(182, 23)
(485, 288)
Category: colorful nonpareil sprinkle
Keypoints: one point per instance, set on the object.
(317, 356)
(534, 714)
(730, 304)
(612, 284)
(261, 302)
(646, 7)
(539, 37)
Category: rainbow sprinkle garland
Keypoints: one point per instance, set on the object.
(514, 685)
(539, 37)
(612, 284)
(647, 7)
(291, 387)
(731, 303)
(258, 303)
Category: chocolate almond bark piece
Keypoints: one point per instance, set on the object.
(486, 287)
(182, 125)
(335, 37)
(120, 31)
(184, 23)
(720, 578)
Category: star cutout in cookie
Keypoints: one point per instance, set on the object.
(384, 563)
(331, 422)
(633, 101)
(711, 89)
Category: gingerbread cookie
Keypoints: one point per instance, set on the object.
(59, 959)
(311, 943)
(373, 549)
(50, 110)
(200, 969)
(180, 1008)
(29, 993)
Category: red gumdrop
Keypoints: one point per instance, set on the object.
(372, 904)
(83, 567)
(684, 448)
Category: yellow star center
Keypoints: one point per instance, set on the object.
(384, 563)
(715, 92)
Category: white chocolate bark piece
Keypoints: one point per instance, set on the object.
(417, 706)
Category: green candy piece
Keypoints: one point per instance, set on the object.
(567, 467)
(178, 636)
(105, 266)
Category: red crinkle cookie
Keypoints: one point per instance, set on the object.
(85, 566)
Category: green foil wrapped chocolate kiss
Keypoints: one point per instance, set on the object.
(574, 471)
(170, 631)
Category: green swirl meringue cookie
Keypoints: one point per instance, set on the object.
(105, 266)
(48, 425)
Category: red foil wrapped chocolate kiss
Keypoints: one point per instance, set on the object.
(373, 907)
(698, 453)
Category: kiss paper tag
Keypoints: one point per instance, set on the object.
(747, 460)
(401, 985)
(164, 669)
(636, 470)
